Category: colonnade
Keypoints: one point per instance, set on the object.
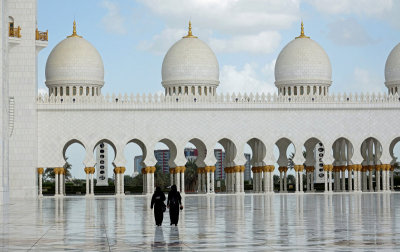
(234, 179)
(119, 180)
(59, 177)
(89, 181)
(75, 91)
(177, 177)
(263, 178)
(205, 179)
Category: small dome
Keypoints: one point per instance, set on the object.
(74, 61)
(190, 61)
(303, 61)
(392, 67)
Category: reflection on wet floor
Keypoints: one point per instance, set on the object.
(214, 222)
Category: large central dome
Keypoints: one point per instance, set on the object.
(303, 63)
(74, 62)
(190, 63)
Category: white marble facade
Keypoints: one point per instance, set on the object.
(359, 131)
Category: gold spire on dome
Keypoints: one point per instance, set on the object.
(302, 32)
(74, 32)
(190, 35)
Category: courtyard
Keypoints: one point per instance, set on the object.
(208, 222)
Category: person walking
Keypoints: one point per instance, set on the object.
(159, 206)
(174, 203)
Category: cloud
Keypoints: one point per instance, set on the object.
(365, 81)
(247, 79)
(160, 43)
(348, 32)
(43, 91)
(240, 25)
(372, 8)
(231, 17)
(264, 42)
(113, 21)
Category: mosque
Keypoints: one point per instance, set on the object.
(348, 139)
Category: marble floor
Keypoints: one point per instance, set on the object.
(369, 221)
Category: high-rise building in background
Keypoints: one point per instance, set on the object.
(247, 170)
(137, 166)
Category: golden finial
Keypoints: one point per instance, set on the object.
(190, 35)
(302, 32)
(74, 31)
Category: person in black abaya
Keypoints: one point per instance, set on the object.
(158, 202)
(174, 204)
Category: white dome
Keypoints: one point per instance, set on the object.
(190, 62)
(303, 61)
(74, 61)
(392, 67)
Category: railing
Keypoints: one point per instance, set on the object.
(374, 98)
(14, 32)
(42, 36)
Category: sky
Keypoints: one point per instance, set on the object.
(246, 35)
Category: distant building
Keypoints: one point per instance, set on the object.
(247, 170)
(162, 157)
(219, 165)
(137, 167)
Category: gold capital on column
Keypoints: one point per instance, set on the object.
(40, 170)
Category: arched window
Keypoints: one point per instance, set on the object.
(295, 91)
(186, 90)
(308, 90)
(81, 91)
(179, 90)
(314, 90)
(67, 91)
(301, 90)
(87, 91)
(205, 90)
(284, 91)
(74, 91)
(320, 90)
(55, 93)
(61, 91)
(193, 90)
(174, 90)
(199, 89)
(395, 90)
(289, 91)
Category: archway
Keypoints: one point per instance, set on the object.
(166, 173)
(343, 151)
(255, 152)
(69, 179)
(104, 152)
(313, 152)
(285, 162)
(371, 151)
(233, 174)
(394, 150)
(135, 152)
(195, 152)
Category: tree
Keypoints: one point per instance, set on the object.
(190, 175)
(49, 174)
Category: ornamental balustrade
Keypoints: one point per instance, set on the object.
(42, 36)
(374, 98)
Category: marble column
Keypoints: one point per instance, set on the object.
(349, 178)
(61, 183)
(182, 170)
(56, 176)
(271, 171)
(116, 180)
(87, 181)
(280, 180)
(92, 182)
(233, 178)
(145, 180)
(265, 178)
(330, 178)
(40, 173)
(204, 181)
(208, 181)
(199, 180)
(242, 179)
(237, 180)
(370, 173)
(378, 178)
(212, 189)
(122, 184)
(384, 180)
(285, 180)
(391, 178)
(343, 168)
(326, 180)
(177, 179)
(296, 180)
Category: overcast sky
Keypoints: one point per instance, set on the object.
(247, 35)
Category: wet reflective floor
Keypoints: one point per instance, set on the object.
(249, 222)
